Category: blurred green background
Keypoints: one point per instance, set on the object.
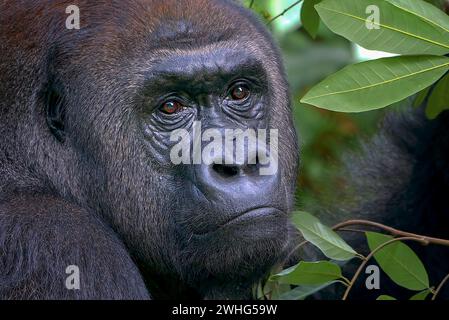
(324, 135)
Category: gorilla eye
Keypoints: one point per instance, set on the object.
(171, 107)
(239, 92)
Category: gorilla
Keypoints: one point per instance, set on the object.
(86, 179)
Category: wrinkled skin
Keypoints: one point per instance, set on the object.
(85, 171)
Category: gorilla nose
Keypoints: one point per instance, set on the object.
(246, 179)
(227, 171)
(234, 170)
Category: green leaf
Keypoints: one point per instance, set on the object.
(309, 273)
(426, 12)
(399, 262)
(438, 100)
(376, 84)
(309, 17)
(421, 97)
(385, 297)
(403, 26)
(274, 290)
(421, 295)
(302, 292)
(329, 242)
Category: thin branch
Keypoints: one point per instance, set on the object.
(345, 281)
(363, 264)
(393, 231)
(299, 246)
(344, 226)
(284, 12)
(351, 230)
(440, 286)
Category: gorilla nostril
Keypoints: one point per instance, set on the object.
(227, 171)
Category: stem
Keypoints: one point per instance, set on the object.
(299, 246)
(424, 240)
(393, 231)
(346, 281)
(284, 12)
(363, 264)
(352, 230)
(251, 4)
(440, 286)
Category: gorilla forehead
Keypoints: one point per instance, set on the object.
(179, 21)
(203, 70)
(143, 31)
(184, 21)
(223, 59)
(181, 31)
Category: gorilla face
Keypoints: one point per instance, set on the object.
(224, 216)
(160, 71)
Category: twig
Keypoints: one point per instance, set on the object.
(299, 246)
(440, 286)
(284, 12)
(351, 230)
(393, 231)
(363, 264)
(424, 240)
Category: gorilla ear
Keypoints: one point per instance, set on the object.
(55, 111)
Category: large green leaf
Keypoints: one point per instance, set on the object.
(376, 84)
(302, 292)
(404, 26)
(309, 273)
(439, 99)
(309, 17)
(385, 297)
(425, 11)
(399, 262)
(329, 242)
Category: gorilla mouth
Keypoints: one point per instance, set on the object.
(250, 216)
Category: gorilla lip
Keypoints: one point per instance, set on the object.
(257, 213)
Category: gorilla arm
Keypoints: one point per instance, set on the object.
(40, 236)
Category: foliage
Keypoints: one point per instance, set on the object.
(417, 32)
(322, 237)
(399, 262)
(409, 27)
(378, 83)
(395, 258)
(309, 273)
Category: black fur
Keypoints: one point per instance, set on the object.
(403, 181)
